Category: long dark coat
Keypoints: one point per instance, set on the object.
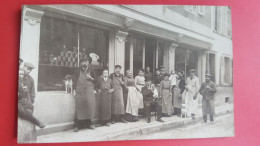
(208, 99)
(85, 98)
(117, 96)
(104, 98)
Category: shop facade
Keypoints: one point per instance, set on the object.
(55, 37)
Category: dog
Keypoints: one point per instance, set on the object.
(183, 111)
(68, 83)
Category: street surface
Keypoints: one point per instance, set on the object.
(222, 127)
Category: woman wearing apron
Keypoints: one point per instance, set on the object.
(132, 104)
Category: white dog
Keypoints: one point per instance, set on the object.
(68, 83)
(183, 110)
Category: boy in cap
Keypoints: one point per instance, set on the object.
(208, 90)
(28, 80)
(25, 107)
(151, 98)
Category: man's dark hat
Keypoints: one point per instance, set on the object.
(166, 74)
(162, 68)
(118, 66)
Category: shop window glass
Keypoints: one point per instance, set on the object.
(62, 45)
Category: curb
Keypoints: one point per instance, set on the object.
(158, 127)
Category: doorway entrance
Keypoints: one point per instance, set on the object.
(186, 60)
(140, 52)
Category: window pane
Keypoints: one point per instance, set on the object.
(61, 42)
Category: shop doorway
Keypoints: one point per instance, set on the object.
(186, 60)
(150, 56)
(140, 52)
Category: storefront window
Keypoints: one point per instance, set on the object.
(62, 45)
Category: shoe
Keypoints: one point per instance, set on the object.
(92, 127)
(167, 115)
(160, 120)
(113, 122)
(123, 121)
(76, 129)
(149, 121)
(108, 124)
(42, 126)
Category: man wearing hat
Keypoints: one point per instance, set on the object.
(28, 80)
(191, 92)
(83, 86)
(151, 98)
(118, 109)
(208, 90)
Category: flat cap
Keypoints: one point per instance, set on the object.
(192, 70)
(162, 68)
(118, 66)
(209, 75)
(28, 64)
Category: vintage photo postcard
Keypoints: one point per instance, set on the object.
(125, 72)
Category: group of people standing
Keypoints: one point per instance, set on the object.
(121, 97)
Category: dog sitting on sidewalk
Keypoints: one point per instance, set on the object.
(68, 83)
(183, 111)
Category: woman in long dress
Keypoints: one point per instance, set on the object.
(165, 93)
(132, 100)
(139, 84)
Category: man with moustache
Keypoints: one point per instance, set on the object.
(83, 86)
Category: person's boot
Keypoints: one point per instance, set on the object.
(76, 129)
(123, 120)
(135, 118)
(160, 120)
(205, 118)
(92, 127)
(211, 119)
(193, 116)
(38, 123)
(41, 125)
(149, 120)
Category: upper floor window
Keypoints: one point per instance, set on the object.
(223, 20)
(196, 10)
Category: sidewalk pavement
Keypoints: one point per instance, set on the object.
(124, 131)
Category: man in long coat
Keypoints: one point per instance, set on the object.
(192, 90)
(83, 86)
(105, 88)
(208, 90)
(118, 109)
